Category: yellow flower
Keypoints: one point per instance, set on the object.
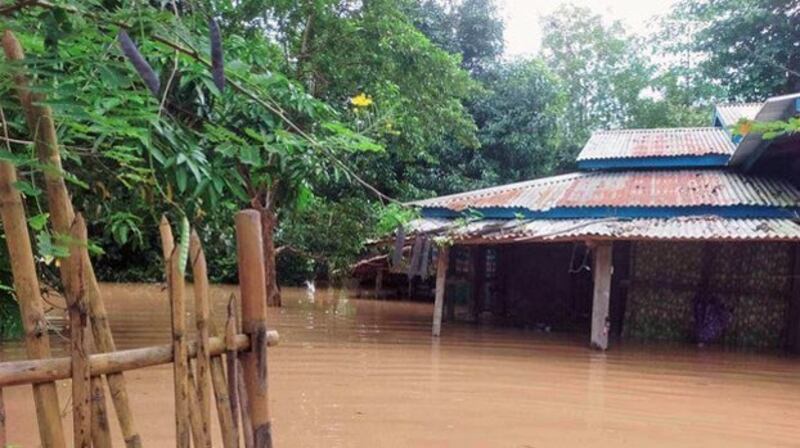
(744, 127)
(361, 100)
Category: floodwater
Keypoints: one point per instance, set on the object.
(359, 373)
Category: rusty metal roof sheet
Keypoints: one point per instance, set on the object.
(729, 114)
(538, 194)
(683, 228)
(646, 143)
(667, 188)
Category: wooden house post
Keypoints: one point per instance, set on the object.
(602, 293)
(441, 279)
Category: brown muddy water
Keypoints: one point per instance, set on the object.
(359, 373)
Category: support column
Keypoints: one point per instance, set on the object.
(441, 278)
(602, 293)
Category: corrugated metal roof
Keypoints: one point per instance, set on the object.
(428, 225)
(729, 114)
(684, 228)
(667, 142)
(538, 195)
(673, 188)
(752, 145)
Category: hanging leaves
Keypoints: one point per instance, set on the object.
(217, 68)
(142, 67)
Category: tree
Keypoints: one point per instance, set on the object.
(471, 28)
(519, 119)
(601, 66)
(182, 142)
(748, 47)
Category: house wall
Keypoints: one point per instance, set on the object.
(753, 281)
(523, 285)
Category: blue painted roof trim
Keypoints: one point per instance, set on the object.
(708, 160)
(750, 211)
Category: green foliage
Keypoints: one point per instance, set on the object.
(324, 96)
(519, 120)
(602, 67)
(747, 47)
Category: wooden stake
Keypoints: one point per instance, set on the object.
(167, 241)
(41, 126)
(244, 405)
(200, 430)
(79, 340)
(230, 438)
(232, 363)
(253, 287)
(201, 315)
(101, 431)
(441, 278)
(177, 300)
(602, 293)
(26, 287)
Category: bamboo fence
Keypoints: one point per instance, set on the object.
(199, 367)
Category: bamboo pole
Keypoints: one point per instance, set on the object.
(101, 431)
(201, 314)
(52, 369)
(177, 300)
(40, 124)
(26, 287)
(230, 438)
(200, 430)
(79, 341)
(252, 285)
(244, 405)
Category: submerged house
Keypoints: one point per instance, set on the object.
(687, 234)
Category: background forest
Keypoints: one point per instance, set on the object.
(335, 111)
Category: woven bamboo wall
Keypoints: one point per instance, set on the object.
(752, 280)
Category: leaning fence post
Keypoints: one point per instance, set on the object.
(79, 339)
(40, 124)
(26, 287)
(253, 289)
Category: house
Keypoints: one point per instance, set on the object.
(657, 229)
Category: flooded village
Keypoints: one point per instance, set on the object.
(420, 223)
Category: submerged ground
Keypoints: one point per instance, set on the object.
(357, 373)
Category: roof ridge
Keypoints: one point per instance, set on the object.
(507, 187)
(745, 103)
(654, 130)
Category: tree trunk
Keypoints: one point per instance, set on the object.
(266, 209)
(268, 224)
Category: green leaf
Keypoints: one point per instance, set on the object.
(26, 188)
(38, 222)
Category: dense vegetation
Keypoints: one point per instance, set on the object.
(335, 110)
